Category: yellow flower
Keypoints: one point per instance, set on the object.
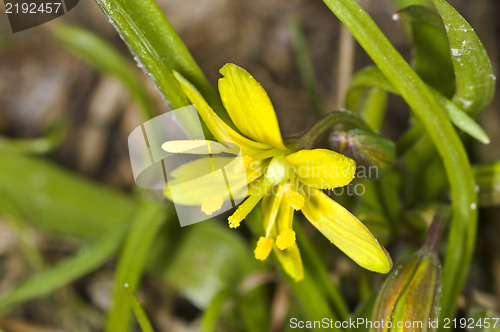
(284, 180)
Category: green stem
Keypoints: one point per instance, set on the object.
(328, 121)
(156, 45)
(463, 226)
(433, 238)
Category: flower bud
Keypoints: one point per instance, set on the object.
(408, 300)
(365, 147)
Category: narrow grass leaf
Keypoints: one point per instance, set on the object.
(318, 271)
(304, 64)
(50, 140)
(61, 202)
(210, 316)
(147, 222)
(25, 239)
(139, 312)
(487, 178)
(70, 269)
(373, 77)
(475, 82)
(432, 64)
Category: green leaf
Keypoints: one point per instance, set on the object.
(209, 259)
(211, 314)
(406, 3)
(151, 38)
(311, 298)
(475, 82)
(318, 271)
(432, 64)
(486, 320)
(61, 202)
(26, 240)
(373, 77)
(462, 232)
(373, 107)
(51, 139)
(364, 311)
(487, 178)
(149, 218)
(370, 102)
(371, 211)
(70, 269)
(304, 64)
(99, 54)
(139, 312)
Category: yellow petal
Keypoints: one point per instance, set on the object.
(244, 165)
(202, 166)
(346, 232)
(194, 147)
(195, 181)
(221, 131)
(321, 168)
(291, 261)
(197, 191)
(249, 106)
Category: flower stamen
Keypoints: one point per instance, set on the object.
(285, 239)
(294, 199)
(263, 248)
(256, 192)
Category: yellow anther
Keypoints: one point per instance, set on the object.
(294, 199)
(234, 222)
(263, 248)
(242, 167)
(285, 239)
(212, 204)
